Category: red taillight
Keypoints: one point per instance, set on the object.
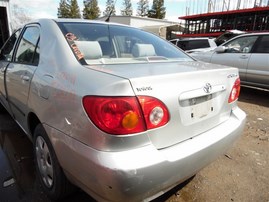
(155, 112)
(235, 91)
(123, 115)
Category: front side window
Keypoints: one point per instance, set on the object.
(111, 44)
(8, 48)
(28, 50)
(241, 45)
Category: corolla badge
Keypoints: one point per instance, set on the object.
(207, 88)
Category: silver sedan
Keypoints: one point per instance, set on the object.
(248, 52)
(114, 110)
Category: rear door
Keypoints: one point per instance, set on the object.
(237, 54)
(5, 59)
(20, 71)
(258, 66)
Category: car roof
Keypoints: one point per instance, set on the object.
(194, 38)
(244, 35)
(74, 20)
(254, 34)
(248, 34)
(78, 20)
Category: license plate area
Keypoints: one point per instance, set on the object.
(201, 110)
(196, 109)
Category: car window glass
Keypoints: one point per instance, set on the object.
(263, 45)
(194, 44)
(182, 44)
(26, 52)
(113, 44)
(241, 45)
(129, 39)
(225, 37)
(173, 42)
(8, 48)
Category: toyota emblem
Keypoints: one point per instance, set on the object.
(207, 88)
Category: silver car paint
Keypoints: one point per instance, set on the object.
(115, 167)
(169, 85)
(143, 173)
(253, 67)
(258, 71)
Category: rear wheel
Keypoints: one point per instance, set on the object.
(49, 172)
(2, 108)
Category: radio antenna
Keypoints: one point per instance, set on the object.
(110, 13)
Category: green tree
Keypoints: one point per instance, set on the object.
(91, 9)
(68, 9)
(127, 8)
(110, 7)
(142, 8)
(64, 9)
(74, 9)
(157, 10)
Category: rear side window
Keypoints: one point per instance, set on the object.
(8, 48)
(193, 44)
(263, 45)
(28, 49)
(174, 42)
(198, 44)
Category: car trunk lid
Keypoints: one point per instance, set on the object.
(196, 95)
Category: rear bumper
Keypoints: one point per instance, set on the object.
(143, 173)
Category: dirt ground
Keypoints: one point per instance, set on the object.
(242, 174)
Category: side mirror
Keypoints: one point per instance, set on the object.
(220, 49)
(246, 50)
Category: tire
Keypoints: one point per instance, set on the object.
(2, 108)
(50, 174)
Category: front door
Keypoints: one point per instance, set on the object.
(5, 59)
(20, 71)
(237, 54)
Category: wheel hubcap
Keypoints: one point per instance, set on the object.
(44, 161)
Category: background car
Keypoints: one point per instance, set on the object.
(194, 44)
(114, 110)
(248, 52)
(227, 35)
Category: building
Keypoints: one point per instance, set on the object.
(250, 18)
(159, 27)
(5, 29)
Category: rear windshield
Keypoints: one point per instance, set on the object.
(106, 44)
(193, 44)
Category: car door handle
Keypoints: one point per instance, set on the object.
(25, 78)
(244, 57)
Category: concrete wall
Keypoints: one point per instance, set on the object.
(156, 26)
(138, 21)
